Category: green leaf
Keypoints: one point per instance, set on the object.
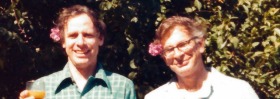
(234, 41)
(132, 64)
(189, 10)
(162, 9)
(245, 26)
(130, 47)
(255, 44)
(134, 19)
(220, 42)
(276, 31)
(132, 75)
(260, 80)
(264, 43)
(232, 24)
(224, 44)
(272, 38)
(278, 79)
(208, 59)
(254, 73)
(271, 82)
(273, 11)
(249, 54)
(197, 4)
(258, 53)
(254, 30)
(245, 8)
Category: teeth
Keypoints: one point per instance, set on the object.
(81, 52)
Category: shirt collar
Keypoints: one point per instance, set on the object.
(64, 74)
(205, 92)
(102, 74)
(65, 77)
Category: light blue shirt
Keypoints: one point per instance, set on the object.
(101, 85)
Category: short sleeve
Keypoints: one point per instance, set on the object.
(129, 90)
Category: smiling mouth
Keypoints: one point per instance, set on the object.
(81, 53)
(183, 64)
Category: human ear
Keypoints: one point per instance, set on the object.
(201, 43)
(101, 40)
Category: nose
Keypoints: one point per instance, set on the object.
(80, 40)
(177, 53)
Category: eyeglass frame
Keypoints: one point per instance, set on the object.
(186, 43)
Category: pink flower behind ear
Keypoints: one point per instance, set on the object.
(155, 49)
(55, 34)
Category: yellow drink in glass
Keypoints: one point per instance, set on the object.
(37, 94)
(36, 89)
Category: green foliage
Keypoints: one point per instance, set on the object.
(243, 40)
(247, 43)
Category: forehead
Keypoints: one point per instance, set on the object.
(175, 35)
(79, 21)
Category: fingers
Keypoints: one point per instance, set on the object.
(25, 95)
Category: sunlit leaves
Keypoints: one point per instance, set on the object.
(197, 4)
(190, 9)
(132, 64)
(252, 29)
(246, 10)
(134, 19)
(234, 41)
(277, 31)
(107, 5)
(273, 11)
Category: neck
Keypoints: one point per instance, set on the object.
(80, 75)
(82, 72)
(193, 82)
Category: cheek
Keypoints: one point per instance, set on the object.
(68, 43)
(63, 44)
(168, 61)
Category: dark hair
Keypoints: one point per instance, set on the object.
(169, 24)
(76, 10)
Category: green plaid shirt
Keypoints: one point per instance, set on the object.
(102, 85)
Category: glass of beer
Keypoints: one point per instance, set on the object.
(36, 89)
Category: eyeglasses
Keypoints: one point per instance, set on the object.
(182, 46)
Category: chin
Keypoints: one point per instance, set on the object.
(81, 62)
(183, 69)
(184, 75)
(82, 66)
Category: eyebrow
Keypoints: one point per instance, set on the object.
(182, 42)
(178, 43)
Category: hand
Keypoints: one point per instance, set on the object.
(25, 95)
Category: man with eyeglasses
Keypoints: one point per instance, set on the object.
(180, 41)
